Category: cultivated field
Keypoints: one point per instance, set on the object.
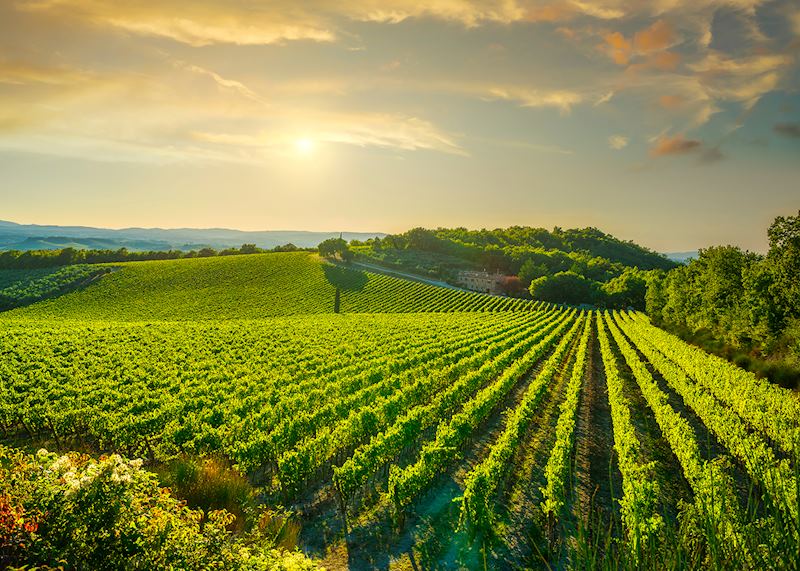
(419, 427)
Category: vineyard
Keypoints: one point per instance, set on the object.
(252, 287)
(420, 427)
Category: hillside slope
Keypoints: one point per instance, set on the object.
(250, 287)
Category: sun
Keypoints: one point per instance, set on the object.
(304, 146)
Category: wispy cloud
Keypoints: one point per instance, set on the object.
(227, 84)
(388, 131)
(198, 24)
(562, 100)
(617, 142)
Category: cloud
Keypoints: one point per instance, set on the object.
(619, 48)
(677, 145)
(149, 89)
(649, 43)
(659, 36)
(563, 100)
(198, 23)
(388, 131)
(604, 98)
(227, 84)
(671, 101)
(248, 22)
(744, 79)
(362, 130)
(25, 73)
(662, 61)
(617, 142)
(791, 130)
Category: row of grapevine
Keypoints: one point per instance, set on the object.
(557, 470)
(168, 388)
(279, 404)
(298, 463)
(777, 476)
(50, 398)
(639, 488)
(771, 409)
(406, 484)
(477, 506)
(403, 296)
(384, 447)
(291, 420)
(713, 488)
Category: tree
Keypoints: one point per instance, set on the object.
(333, 247)
(626, 290)
(248, 249)
(654, 298)
(784, 260)
(564, 287)
(530, 271)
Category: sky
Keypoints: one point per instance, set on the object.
(673, 123)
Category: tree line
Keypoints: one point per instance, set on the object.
(32, 259)
(575, 266)
(741, 304)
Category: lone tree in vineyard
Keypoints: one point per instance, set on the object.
(334, 247)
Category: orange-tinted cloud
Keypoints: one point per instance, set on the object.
(620, 48)
(666, 61)
(657, 37)
(551, 13)
(677, 145)
(671, 101)
(649, 43)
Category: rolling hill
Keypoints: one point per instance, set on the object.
(250, 287)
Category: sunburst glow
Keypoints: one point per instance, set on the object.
(304, 146)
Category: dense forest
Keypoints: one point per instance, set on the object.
(740, 304)
(576, 266)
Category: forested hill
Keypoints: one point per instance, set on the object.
(591, 241)
(583, 265)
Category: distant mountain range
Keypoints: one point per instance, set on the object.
(15, 236)
(682, 257)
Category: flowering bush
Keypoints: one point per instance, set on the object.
(78, 513)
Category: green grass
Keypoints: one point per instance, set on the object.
(250, 287)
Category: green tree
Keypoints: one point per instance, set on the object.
(784, 260)
(530, 271)
(626, 290)
(655, 298)
(564, 287)
(333, 247)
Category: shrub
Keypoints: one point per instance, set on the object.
(74, 512)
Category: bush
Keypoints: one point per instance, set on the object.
(74, 512)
